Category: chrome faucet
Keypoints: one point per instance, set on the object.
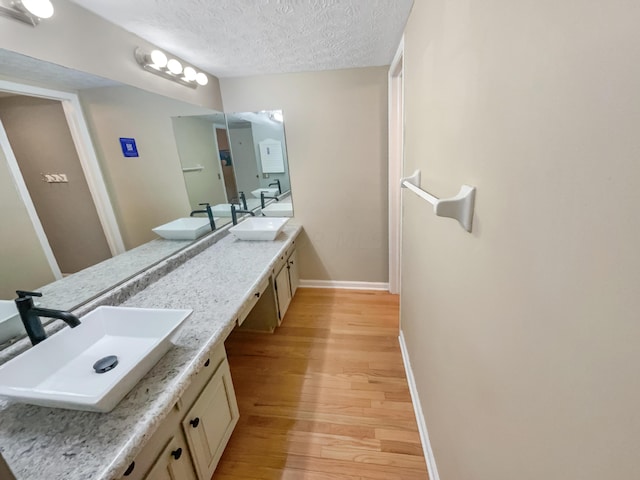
(30, 316)
(276, 182)
(209, 212)
(263, 197)
(235, 212)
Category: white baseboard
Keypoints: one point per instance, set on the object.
(417, 407)
(345, 285)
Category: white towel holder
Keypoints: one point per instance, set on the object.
(459, 207)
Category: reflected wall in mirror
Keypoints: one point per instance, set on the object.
(203, 149)
(259, 155)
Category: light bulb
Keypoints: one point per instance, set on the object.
(158, 59)
(190, 74)
(174, 66)
(37, 8)
(202, 79)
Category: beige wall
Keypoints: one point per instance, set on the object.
(243, 158)
(22, 261)
(335, 124)
(76, 38)
(148, 190)
(197, 145)
(41, 142)
(524, 334)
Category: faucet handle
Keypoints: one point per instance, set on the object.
(206, 204)
(26, 294)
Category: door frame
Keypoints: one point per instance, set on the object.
(396, 159)
(88, 161)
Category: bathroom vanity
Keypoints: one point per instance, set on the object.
(177, 420)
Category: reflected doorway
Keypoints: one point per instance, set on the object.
(40, 141)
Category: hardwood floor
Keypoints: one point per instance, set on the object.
(325, 396)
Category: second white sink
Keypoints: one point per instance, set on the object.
(188, 228)
(59, 372)
(259, 228)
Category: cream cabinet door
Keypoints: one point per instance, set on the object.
(174, 463)
(283, 292)
(294, 276)
(210, 422)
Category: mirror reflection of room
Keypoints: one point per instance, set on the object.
(186, 158)
(259, 150)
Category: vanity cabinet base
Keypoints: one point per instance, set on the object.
(267, 313)
(190, 441)
(263, 317)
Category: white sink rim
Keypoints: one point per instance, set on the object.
(259, 228)
(34, 376)
(269, 191)
(186, 228)
(278, 209)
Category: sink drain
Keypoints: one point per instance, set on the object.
(105, 364)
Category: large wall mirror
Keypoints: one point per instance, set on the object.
(188, 155)
(236, 158)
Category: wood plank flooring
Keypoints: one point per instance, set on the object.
(324, 397)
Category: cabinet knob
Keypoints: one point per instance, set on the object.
(206, 364)
(177, 453)
(129, 470)
(195, 422)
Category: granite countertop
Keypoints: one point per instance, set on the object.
(54, 444)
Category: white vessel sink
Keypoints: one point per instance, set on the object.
(222, 210)
(184, 228)
(269, 192)
(259, 228)
(59, 371)
(10, 323)
(278, 209)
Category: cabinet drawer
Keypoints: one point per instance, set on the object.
(282, 259)
(174, 462)
(211, 364)
(143, 462)
(254, 299)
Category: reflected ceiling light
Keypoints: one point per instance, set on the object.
(157, 62)
(28, 11)
(202, 79)
(277, 116)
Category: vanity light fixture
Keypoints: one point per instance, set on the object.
(202, 79)
(190, 74)
(174, 66)
(157, 62)
(28, 11)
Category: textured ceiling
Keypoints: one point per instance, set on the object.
(248, 37)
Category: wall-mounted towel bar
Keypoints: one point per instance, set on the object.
(197, 168)
(459, 207)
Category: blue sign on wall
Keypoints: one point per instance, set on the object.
(129, 148)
